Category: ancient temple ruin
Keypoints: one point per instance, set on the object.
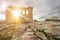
(24, 11)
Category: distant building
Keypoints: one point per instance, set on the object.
(24, 11)
(54, 18)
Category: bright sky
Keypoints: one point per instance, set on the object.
(42, 8)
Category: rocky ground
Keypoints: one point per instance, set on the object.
(37, 31)
(44, 30)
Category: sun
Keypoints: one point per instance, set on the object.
(16, 13)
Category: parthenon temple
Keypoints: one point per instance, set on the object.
(13, 14)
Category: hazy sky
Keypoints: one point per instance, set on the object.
(42, 9)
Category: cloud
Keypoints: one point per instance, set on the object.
(46, 8)
(41, 8)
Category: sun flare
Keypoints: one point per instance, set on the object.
(16, 13)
